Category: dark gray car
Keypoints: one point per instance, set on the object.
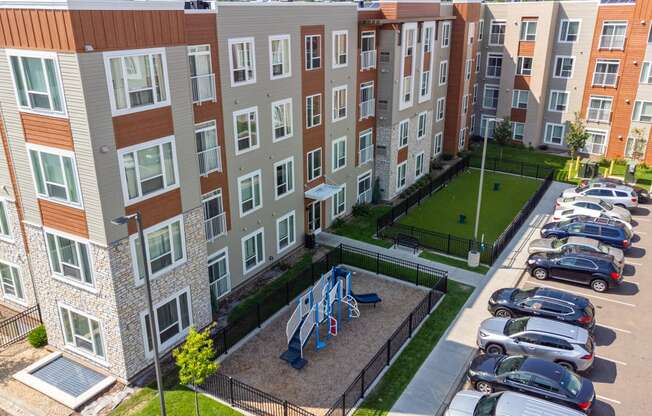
(559, 245)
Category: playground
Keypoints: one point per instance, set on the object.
(326, 372)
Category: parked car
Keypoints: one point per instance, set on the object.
(623, 196)
(589, 245)
(643, 194)
(567, 345)
(544, 303)
(474, 403)
(613, 235)
(489, 373)
(595, 270)
(571, 214)
(587, 205)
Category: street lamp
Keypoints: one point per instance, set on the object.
(124, 220)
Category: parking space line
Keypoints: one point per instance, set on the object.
(641, 232)
(614, 328)
(611, 359)
(606, 399)
(580, 294)
(634, 263)
(642, 219)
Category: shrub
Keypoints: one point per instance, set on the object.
(359, 210)
(543, 147)
(447, 156)
(38, 337)
(436, 164)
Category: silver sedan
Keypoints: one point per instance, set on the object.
(559, 245)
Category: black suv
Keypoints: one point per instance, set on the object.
(544, 303)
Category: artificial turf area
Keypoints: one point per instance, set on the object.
(441, 211)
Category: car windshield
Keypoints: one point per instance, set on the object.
(515, 326)
(520, 295)
(571, 383)
(603, 248)
(580, 188)
(558, 243)
(487, 405)
(510, 364)
(606, 205)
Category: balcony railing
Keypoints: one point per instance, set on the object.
(612, 42)
(599, 115)
(210, 161)
(366, 155)
(365, 197)
(368, 59)
(605, 79)
(215, 226)
(203, 88)
(367, 109)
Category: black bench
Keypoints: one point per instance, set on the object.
(407, 241)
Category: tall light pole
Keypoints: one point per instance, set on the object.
(150, 307)
(484, 156)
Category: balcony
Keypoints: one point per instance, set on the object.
(612, 42)
(365, 197)
(203, 88)
(605, 79)
(598, 115)
(367, 59)
(366, 155)
(367, 109)
(210, 161)
(215, 226)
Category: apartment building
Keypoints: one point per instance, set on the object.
(545, 62)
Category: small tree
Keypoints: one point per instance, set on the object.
(502, 134)
(577, 136)
(196, 360)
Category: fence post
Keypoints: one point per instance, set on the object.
(344, 404)
(429, 302)
(287, 293)
(377, 263)
(341, 253)
(537, 172)
(285, 407)
(521, 168)
(389, 350)
(258, 314)
(231, 391)
(362, 384)
(38, 309)
(410, 325)
(417, 283)
(226, 348)
(448, 247)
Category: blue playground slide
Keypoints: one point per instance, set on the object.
(293, 353)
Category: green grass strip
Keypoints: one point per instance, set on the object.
(363, 227)
(459, 263)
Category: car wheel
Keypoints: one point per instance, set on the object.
(568, 366)
(494, 349)
(502, 313)
(484, 387)
(540, 274)
(599, 285)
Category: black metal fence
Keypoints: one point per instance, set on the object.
(532, 170)
(17, 327)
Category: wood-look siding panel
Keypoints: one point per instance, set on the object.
(518, 115)
(521, 82)
(142, 126)
(156, 209)
(396, 10)
(402, 155)
(36, 29)
(63, 218)
(47, 131)
(525, 48)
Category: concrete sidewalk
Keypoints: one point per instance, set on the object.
(436, 381)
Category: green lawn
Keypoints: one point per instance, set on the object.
(462, 264)
(383, 397)
(363, 227)
(518, 154)
(441, 211)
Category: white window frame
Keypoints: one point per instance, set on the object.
(564, 39)
(489, 57)
(608, 63)
(231, 43)
(60, 153)
(601, 99)
(311, 115)
(78, 241)
(401, 167)
(613, 23)
(403, 139)
(461, 143)
(175, 339)
(517, 98)
(493, 87)
(563, 57)
(438, 144)
(5, 235)
(554, 99)
(472, 125)
(243, 240)
(520, 67)
(502, 23)
(311, 172)
(478, 62)
(15, 276)
(427, 37)
(291, 177)
(443, 73)
(309, 52)
(214, 258)
(553, 126)
(441, 108)
(336, 90)
(292, 233)
(235, 129)
(289, 122)
(465, 104)
(71, 346)
(368, 132)
(336, 52)
(646, 72)
(287, 72)
(207, 197)
(589, 142)
(525, 24)
(201, 128)
(335, 160)
(363, 177)
(480, 30)
(514, 124)
(425, 81)
(369, 85)
(336, 203)
(638, 111)
(468, 69)
(474, 96)
(195, 51)
(422, 128)
(445, 34)
(420, 156)
(245, 177)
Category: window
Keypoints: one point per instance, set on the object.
(518, 130)
(422, 125)
(418, 165)
(245, 127)
(445, 34)
(470, 33)
(364, 188)
(368, 50)
(253, 250)
(214, 215)
(403, 133)
(219, 278)
(208, 150)
(487, 125)
(468, 69)
(81, 332)
(202, 79)
(339, 154)
(279, 57)
(439, 144)
(478, 62)
(558, 101)
(314, 164)
(443, 72)
(148, 169)
(313, 51)
(490, 98)
(242, 58)
(339, 202)
(636, 147)
(472, 126)
(367, 100)
(494, 65)
(340, 48)
(520, 98)
(339, 103)
(165, 248)
(643, 111)
(427, 39)
(597, 142)
(249, 188)
(441, 108)
(528, 30)
(569, 31)
(55, 174)
(282, 119)
(313, 110)
(401, 170)
(524, 66)
(613, 35)
(424, 90)
(646, 73)
(409, 41)
(12, 285)
(284, 177)
(462, 139)
(5, 231)
(564, 66)
(37, 81)
(285, 232)
(497, 33)
(599, 109)
(465, 104)
(606, 73)
(480, 30)
(366, 147)
(173, 318)
(554, 134)
(474, 98)
(407, 89)
(69, 258)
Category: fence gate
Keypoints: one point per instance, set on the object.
(16, 328)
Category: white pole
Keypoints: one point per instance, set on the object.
(484, 156)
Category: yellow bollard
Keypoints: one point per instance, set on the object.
(611, 167)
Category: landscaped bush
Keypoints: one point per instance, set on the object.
(358, 210)
(447, 156)
(436, 164)
(543, 147)
(38, 337)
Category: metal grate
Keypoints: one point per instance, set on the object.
(68, 376)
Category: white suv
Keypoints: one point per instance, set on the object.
(623, 196)
(597, 206)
